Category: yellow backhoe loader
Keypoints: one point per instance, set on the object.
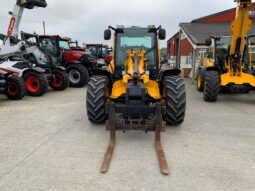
(224, 68)
(135, 93)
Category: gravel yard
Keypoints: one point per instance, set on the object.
(47, 143)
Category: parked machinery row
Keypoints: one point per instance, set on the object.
(32, 62)
(12, 56)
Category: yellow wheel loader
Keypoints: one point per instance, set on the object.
(135, 93)
(224, 68)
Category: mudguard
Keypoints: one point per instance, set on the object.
(101, 72)
(170, 72)
(59, 68)
(202, 71)
(74, 62)
(34, 69)
(214, 68)
(38, 69)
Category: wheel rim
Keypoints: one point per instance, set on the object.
(74, 76)
(58, 80)
(33, 84)
(12, 88)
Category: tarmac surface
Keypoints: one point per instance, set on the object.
(47, 143)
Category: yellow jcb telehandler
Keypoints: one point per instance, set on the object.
(224, 67)
(135, 93)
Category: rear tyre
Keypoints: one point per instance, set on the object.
(61, 81)
(97, 93)
(78, 75)
(175, 97)
(36, 83)
(200, 82)
(212, 86)
(15, 88)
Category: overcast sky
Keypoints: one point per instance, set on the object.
(85, 20)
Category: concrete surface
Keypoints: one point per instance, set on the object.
(47, 143)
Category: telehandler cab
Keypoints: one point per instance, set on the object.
(224, 68)
(135, 93)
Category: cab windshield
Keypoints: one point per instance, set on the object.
(220, 48)
(93, 50)
(72, 44)
(104, 51)
(64, 45)
(98, 51)
(135, 39)
(224, 42)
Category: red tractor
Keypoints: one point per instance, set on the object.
(102, 52)
(74, 45)
(79, 64)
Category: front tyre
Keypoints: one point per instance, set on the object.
(174, 94)
(61, 81)
(97, 94)
(78, 75)
(212, 86)
(15, 88)
(36, 83)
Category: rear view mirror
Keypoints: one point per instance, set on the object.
(162, 34)
(107, 34)
(208, 42)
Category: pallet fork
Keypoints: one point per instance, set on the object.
(157, 127)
